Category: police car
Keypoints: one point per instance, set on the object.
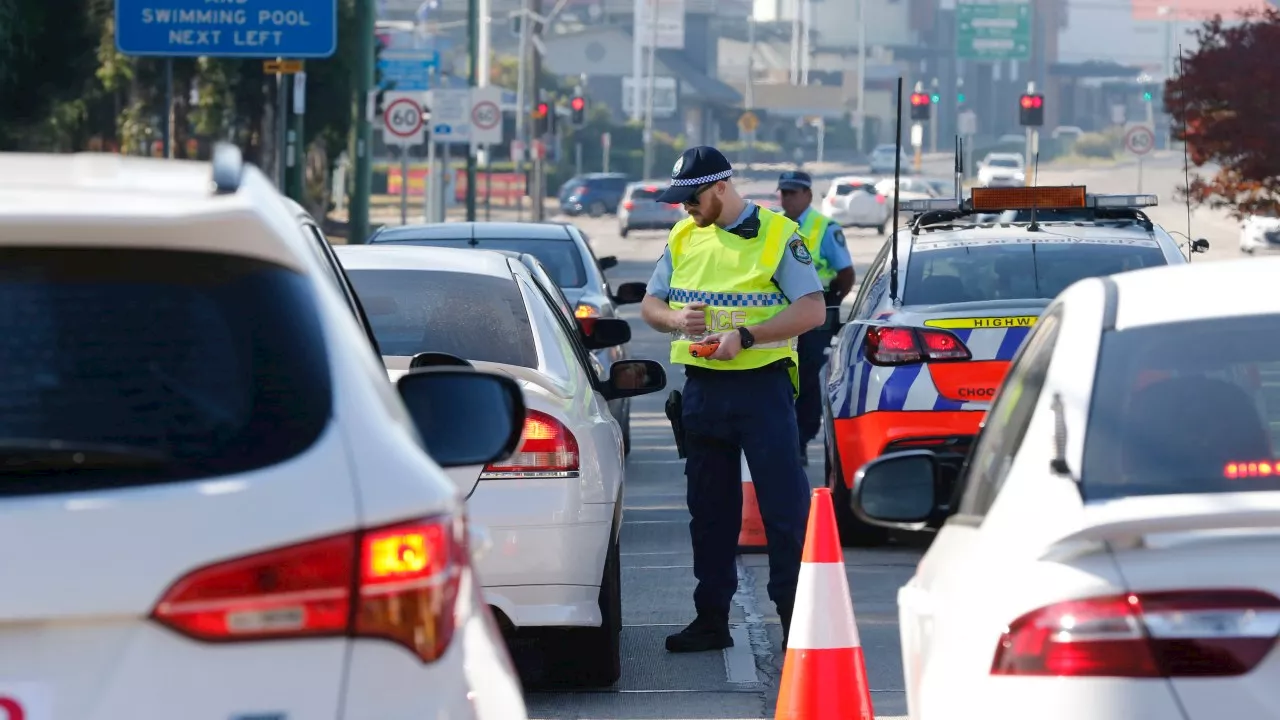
(946, 304)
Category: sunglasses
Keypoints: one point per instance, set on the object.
(694, 200)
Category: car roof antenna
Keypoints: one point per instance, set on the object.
(1035, 179)
(1186, 158)
(897, 177)
(959, 170)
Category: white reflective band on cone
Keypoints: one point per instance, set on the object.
(825, 621)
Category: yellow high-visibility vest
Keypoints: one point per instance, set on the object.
(813, 230)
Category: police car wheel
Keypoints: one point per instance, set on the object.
(592, 657)
(853, 532)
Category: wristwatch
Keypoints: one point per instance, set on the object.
(747, 338)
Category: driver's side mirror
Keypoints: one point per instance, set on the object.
(464, 417)
(1200, 246)
(607, 262)
(630, 293)
(899, 491)
(629, 378)
(601, 333)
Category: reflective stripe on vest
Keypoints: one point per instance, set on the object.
(813, 230)
(733, 276)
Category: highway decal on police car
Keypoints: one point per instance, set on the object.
(982, 323)
(927, 245)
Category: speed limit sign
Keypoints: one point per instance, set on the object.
(1139, 139)
(402, 122)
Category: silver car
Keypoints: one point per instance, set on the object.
(565, 255)
(640, 210)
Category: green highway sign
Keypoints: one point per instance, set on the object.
(993, 29)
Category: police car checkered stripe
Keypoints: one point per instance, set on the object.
(867, 388)
(723, 299)
(685, 182)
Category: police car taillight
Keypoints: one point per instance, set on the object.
(907, 346)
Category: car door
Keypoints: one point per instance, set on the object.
(936, 607)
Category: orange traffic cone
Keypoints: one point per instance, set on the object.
(824, 675)
(751, 537)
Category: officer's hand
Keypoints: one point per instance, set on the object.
(730, 346)
(692, 319)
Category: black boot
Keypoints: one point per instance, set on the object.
(706, 632)
(784, 616)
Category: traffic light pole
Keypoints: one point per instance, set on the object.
(1027, 159)
(473, 51)
(358, 219)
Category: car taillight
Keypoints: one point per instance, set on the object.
(880, 198)
(628, 205)
(1195, 633)
(907, 346)
(397, 583)
(586, 311)
(580, 190)
(546, 448)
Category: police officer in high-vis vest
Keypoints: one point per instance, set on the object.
(825, 241)
(740, 275)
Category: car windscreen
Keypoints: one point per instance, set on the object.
(475, 317)
(1017, 269)
(561, 258)
(1187, 407)
(127, 367)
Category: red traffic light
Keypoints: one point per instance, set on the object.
(540, 111)
(578, 103)
(1032, 101)
(919, 99)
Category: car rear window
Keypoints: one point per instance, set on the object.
(127, 367)
(1016, 269)
(646, 193)
(1003, 163)
(1188, 407)
(561, 258)
(475, 317)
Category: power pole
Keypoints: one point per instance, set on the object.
(535, 97)
(473, 33)
(358, 222)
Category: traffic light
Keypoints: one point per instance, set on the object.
(919, 106)
(959, 98)
(541, 119)
(579, 107)
(1031, 110)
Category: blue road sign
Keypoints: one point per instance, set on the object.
(442, 130)
(407, 72)
(228, 28)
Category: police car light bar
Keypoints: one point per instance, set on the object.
(994, 200)
(1123, 201)
(930, 204)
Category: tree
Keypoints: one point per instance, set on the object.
(1222, 103)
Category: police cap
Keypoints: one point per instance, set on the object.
(697, 167)
(795, 180)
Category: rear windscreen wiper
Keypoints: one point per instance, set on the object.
(19, 455)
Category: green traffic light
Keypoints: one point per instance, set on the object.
(935, 98)
(1146, 96)
(960, 97)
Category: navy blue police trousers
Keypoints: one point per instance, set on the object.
(811, 347)
(727, 412)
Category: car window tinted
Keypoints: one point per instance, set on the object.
(646, 193)
(475, 317)
(561, 257)
(1018, 269)
(191, 364)
(1003, 163)
(1190, 407)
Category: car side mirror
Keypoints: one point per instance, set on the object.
(464, 417)
(898, 491)
(607, 262)
(601, 333)
(1200, 246)
(630, 293)
(833, 322)
(629, 378)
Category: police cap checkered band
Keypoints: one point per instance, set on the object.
(687, 182)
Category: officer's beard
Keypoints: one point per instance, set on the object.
(708, 210)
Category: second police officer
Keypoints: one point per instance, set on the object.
(741, 275)
(825, 240)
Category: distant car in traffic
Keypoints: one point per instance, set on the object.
(909, 188)
(192, 409)
(884, 158)
(593, 194)
(1260, 233)
(640, 209)
(854, 201)
(1002, 170)
(767, 200)
(1109, 549)
(566, 254)
(555, 506)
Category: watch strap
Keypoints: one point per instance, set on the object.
(747, 338)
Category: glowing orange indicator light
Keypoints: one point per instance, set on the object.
(1261, 468)
(1025, 198)
(399, 554)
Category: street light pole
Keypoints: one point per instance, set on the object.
(473, 49)
(859, 113)
(648, 107)
(358, 220)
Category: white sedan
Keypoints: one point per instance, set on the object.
(854, 201)
(554, 509)
(1110, 551)
(1260, 233)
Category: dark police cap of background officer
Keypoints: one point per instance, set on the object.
(795, 180)
(696, 168)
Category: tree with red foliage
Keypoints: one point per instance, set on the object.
(1225, 104)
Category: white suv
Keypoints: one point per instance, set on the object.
(214, 504)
